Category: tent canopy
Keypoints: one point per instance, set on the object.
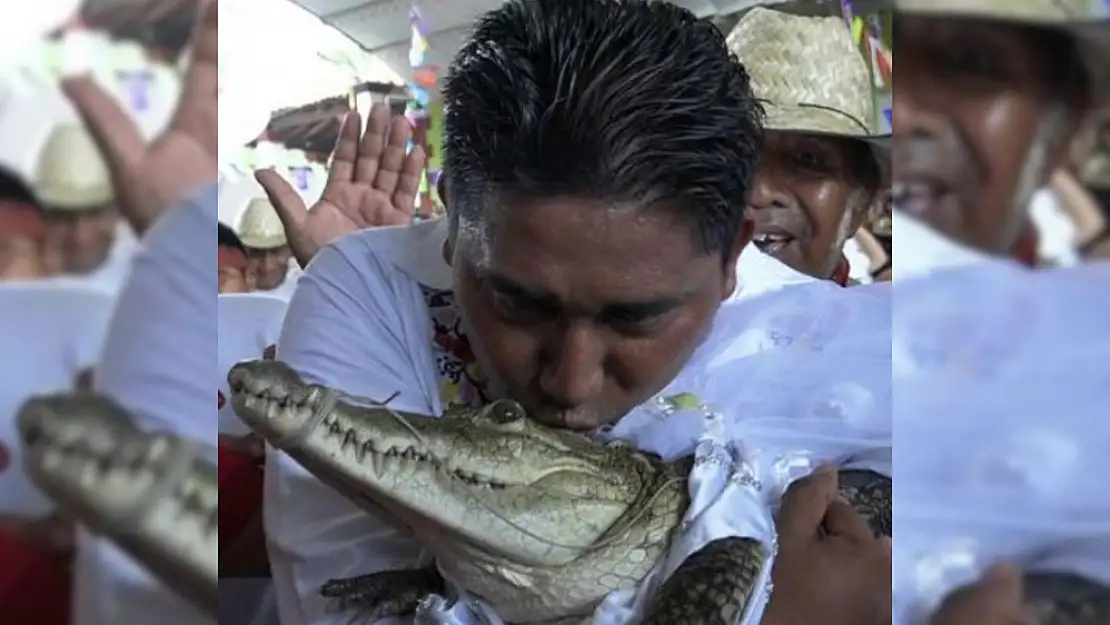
(382, 28)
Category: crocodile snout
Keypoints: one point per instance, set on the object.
(273, 400)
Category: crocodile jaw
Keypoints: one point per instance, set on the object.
(76, 446)
(151, 493)
(510, 488)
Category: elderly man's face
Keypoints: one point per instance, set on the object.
(79, 242)
(811, 194)
(581, 311)
(968, 103)
(270, 266)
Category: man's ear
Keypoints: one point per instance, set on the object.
(441, 190)
(743, 238)
(449, 250)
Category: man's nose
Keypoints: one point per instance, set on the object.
(573, 371)
(767, 191)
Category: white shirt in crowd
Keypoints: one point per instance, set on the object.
(52, 331)
(248, 324)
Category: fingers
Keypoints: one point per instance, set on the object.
(111, 128)
(841, 519)
(287, 202)
(996, 598)
(408, 184)
(198, 107)
(393, 158)
(805, 503)
(342, 168)
(373, 144)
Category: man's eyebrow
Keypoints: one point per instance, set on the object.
(506, 286)
(645, 308)
(648, 307)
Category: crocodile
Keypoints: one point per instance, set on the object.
(540, 523)
(1060, 598)
(153, 494)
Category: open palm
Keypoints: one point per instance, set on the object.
(372, 182)
(182, 161)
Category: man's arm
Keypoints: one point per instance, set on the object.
(344, 329)
(161, 343)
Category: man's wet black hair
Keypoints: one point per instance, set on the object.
(14, 188)
(626, 102)
(226, 237)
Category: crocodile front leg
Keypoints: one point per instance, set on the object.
(711, 587)
(385, 594)
(870, 493)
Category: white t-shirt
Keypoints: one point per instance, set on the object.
(362, 321)
(158, 354)
(51, 331)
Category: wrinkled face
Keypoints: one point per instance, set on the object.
(83, 450)
(809, 197)
(79, 242)
(269, 267)
(967, 107)
(20, 258)
(581, 311)
(491, 477)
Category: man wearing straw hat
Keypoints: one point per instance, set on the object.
(73, 186)
(824, 158)
(992, 93)
(268, 253)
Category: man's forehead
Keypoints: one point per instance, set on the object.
(577, 247)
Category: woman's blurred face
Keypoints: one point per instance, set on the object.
(20, 258)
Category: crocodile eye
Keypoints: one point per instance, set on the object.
(505, 412)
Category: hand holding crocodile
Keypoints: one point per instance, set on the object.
(831, 568)
(996, 599)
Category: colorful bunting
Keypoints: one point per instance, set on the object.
(425, 80)
(867, 33)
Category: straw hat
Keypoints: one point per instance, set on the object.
(1087, 20)
(260, 228)
(810, 76)
(71, 174)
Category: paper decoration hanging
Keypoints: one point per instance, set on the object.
(425, 75)
(867, 33)
(425, 80)
(300, 176)
(846, 12)
(137, 85)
